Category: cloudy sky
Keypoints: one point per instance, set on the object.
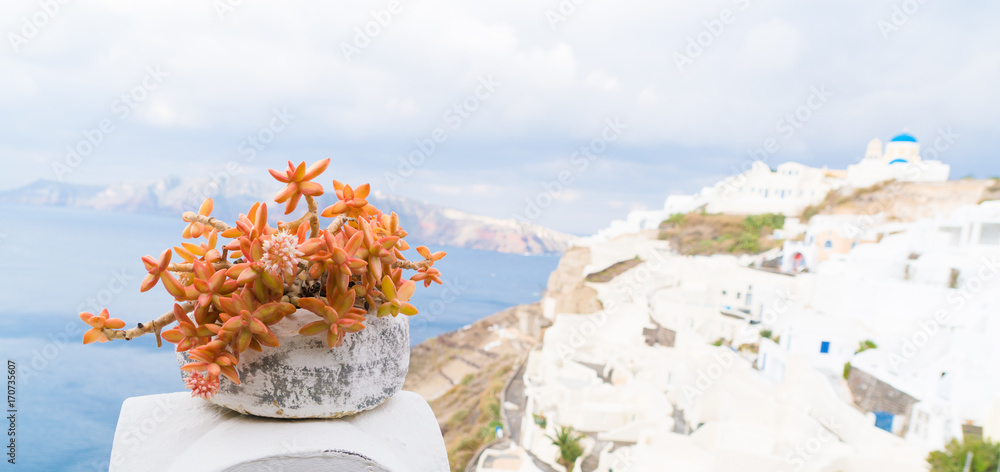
(490, 102)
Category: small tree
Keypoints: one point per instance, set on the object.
(570, 449)
(985, 456)
(866, 345)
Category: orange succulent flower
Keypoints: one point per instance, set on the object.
(397, 300)
(337, 320)
(204, 386)
(155, 269)
(388, 225)
(186, 335)
(195, 229)
(248, 227)
(180, 291)
(298, 180)
(427, 275)
(98, 323)
(437, 256)
(215, 359)
(352, 202)
(205, 251)
(378, 252)
(337, 261)
(254, 273)
(211, 285)
(280, 254)
(241, 331)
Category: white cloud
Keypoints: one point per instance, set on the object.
(771, 47)
(570, 195)
(608, 59)
(603, 81)
(466, 190)
(648, 96)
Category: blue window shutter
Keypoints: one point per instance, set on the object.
(824, 347)
(883, 420)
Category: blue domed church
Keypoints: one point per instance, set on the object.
(899, 160)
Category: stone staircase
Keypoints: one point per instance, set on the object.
(590, 462)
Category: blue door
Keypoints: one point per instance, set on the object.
(883, 420)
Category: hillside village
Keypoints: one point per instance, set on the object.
(860, 339)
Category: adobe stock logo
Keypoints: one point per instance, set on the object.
(713, 30)
(901, 14)
(452, 119)
(363, 35)
(562, 12)
(579, 160)
(33, 24)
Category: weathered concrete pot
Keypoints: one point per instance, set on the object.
(303, 378)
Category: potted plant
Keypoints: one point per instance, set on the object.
(295, 320)
(570, 449)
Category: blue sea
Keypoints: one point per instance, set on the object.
(56, 262)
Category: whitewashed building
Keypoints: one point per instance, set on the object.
(827, 237)
(788, 190)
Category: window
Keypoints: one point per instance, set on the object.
(828, 244)
(883, 420)
(824, 347)
(954, 235)
(990, 234)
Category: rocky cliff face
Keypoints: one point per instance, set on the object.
(909, 201)
(566, 284)
(462, 373)
(427, 224)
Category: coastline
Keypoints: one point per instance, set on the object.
(461, 374)
(464, 373)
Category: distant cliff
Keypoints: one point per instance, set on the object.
(427, 224)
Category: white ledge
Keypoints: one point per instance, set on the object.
(176, 433)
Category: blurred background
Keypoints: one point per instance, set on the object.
(560, 114)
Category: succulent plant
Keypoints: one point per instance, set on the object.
(262, 273)
(98, 323)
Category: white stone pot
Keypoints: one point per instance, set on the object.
(303, 378)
